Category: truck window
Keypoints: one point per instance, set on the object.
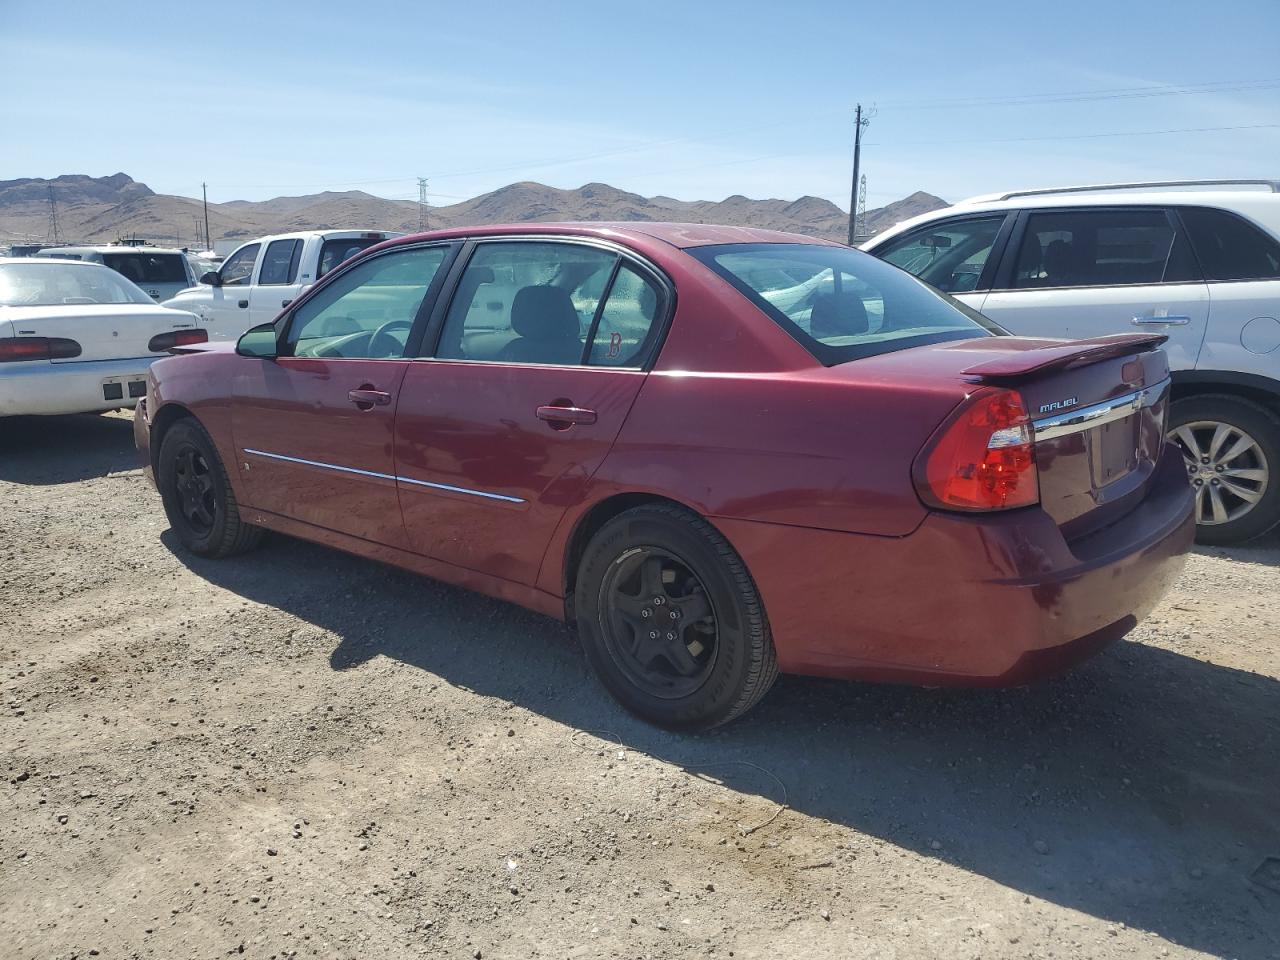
(335, 252)
(238, 268)
(280, 263)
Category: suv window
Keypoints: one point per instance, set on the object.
(334, 252)
(148, 267)
(527, 302)
(280, 263)
(238, 268)
(369, 310)
(1087, 248)
(1229, 247)
(842, 304)
(949, 256)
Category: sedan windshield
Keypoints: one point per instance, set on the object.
(842, 304)
(54, 284)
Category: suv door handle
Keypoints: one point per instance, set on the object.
(563, 417)
(1164, 321)
(366, 397)
(244, 304)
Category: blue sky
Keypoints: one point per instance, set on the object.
(696, 100)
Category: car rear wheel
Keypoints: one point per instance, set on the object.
(197, 495)
(671, 620)
(1231, 447)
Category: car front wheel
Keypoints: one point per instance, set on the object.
(1231, 448)
(197, 496)
(671, 620)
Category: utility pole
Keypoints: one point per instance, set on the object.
(204, 189)
(858, 124)
(55, 235)
(422, 204)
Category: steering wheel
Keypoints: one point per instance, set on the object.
(384, 330)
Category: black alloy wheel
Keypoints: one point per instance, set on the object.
(671, 620)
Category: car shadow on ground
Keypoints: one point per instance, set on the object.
(1143, 789)
(42, 451)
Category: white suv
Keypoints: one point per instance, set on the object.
(1196, 260)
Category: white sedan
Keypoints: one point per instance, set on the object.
(79, 337)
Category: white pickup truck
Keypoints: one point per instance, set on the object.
(260, 278)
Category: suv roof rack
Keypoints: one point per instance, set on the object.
(1272, 185)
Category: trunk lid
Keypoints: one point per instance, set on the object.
(1098, 407)
(105, 331)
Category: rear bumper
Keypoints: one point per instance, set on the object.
(992, 601)
(42, 388)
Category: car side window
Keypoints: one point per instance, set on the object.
(238, 268)
(1229, 248)
(626, 320)
(526, 301)
(949, 256)
(1097, 248)
(280, 262)
(368, 311)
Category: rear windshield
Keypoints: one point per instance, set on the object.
(335, 252)
(49, 284)
(148, 267)
(842, 304)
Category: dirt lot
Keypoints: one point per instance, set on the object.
(297, 753)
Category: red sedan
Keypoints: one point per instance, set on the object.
(721, 452)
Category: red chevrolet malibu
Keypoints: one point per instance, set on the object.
(721, 452)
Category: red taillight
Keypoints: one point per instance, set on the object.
(982, 458)
(37, 348)
(176, 338)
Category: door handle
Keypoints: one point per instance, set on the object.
(1162, 321)
(366, 397)
(244, 304)
(562, 417)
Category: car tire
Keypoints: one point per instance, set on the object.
(197, 496)
(671, 620)
(1254, 470)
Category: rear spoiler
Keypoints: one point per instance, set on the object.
(1061, 355)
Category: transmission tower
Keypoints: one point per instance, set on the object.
(54, 234)
(862, 205)
(422, 204)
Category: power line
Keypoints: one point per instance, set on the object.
(1082, 96)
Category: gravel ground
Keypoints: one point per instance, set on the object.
(301, 754)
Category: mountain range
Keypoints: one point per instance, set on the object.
(103, 209)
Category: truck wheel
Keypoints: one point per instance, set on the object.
(671, 620)
(197, 495)
(1231, 447)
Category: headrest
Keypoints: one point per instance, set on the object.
(842, 315)
(544, 313)
(1059, 257)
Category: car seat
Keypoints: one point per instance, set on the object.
(546, 326)
(837, 315)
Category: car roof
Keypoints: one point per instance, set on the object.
(112, 248)
(1262, 207)
(681, 235)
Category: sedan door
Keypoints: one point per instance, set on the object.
(540, 356)
(314, 427)
(1090, 272)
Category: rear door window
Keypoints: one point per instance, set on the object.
(142, 267)
(1229, 247)
(1097, 248)
(529, 302)
(280, 262)
(949, 255)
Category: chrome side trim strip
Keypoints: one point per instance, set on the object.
(384, 476)
(1086, 418)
